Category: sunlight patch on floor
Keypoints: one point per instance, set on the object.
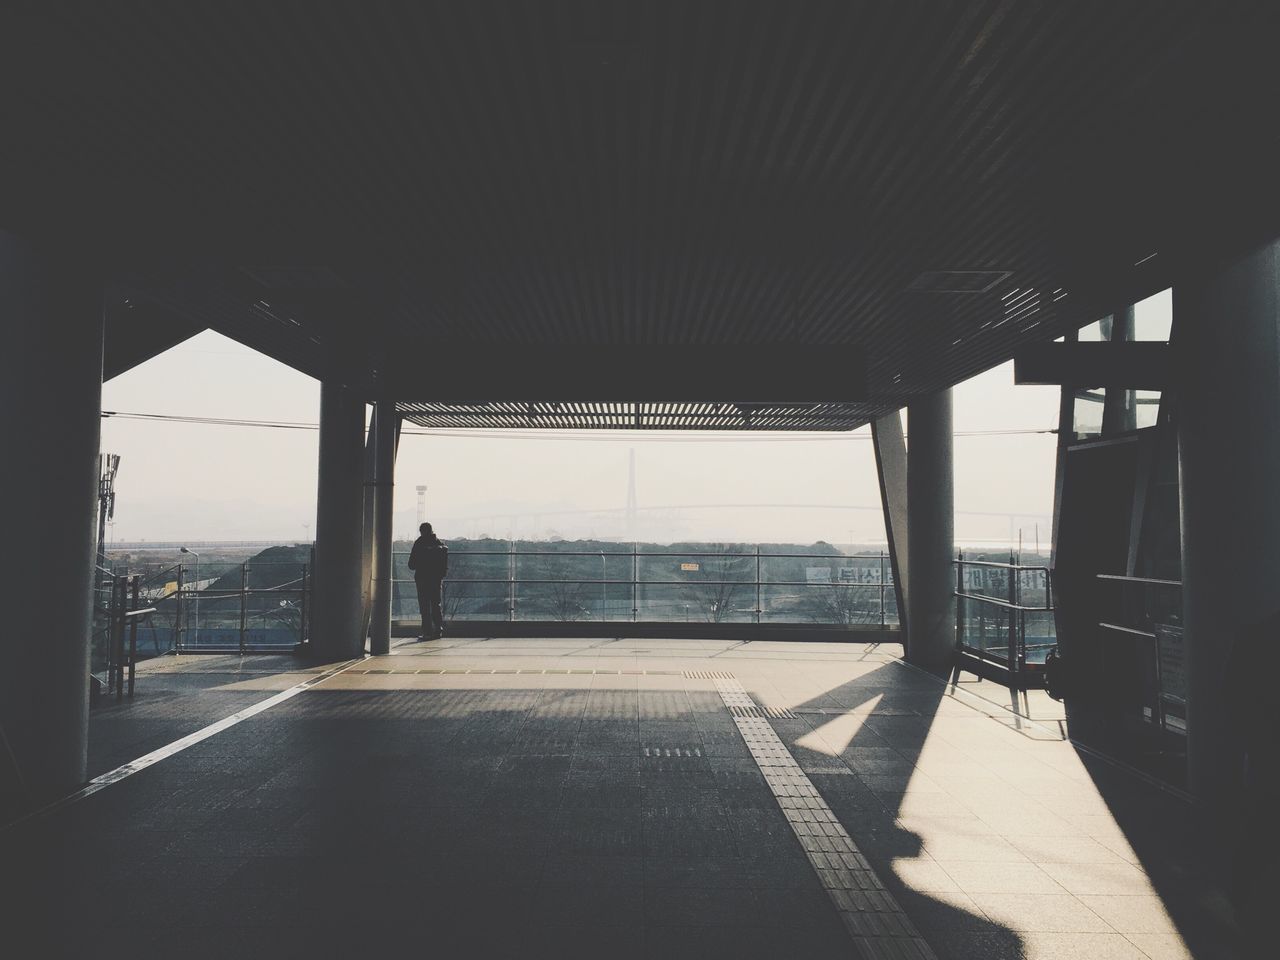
(834, 736)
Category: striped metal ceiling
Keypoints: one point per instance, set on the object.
(637, 416)
(359, 189)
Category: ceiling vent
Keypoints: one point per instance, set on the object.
(958, 281)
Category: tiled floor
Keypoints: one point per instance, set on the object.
(596, 798)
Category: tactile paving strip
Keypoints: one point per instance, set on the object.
(485, 671)
(879, 927)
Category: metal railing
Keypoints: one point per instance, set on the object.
(244, 608)
(224, 616)
(720, 587)
(1150, 611)
(1004, 613)
(124, 616)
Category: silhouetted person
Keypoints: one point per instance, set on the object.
(429, 561)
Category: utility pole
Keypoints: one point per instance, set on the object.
(631, 497)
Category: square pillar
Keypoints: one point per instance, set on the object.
(50, 412)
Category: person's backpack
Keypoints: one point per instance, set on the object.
(1056, 678)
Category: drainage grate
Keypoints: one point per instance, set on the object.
(707, 675)
(761, 713)
(673, 751)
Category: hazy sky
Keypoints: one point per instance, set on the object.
(184, 481)
(213, 482)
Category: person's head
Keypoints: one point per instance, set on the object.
(425, 529)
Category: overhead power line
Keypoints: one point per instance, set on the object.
(630, 436)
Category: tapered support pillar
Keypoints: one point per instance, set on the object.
(1227, 341)
(384, 466)
(338, 629)
(930, 534)
(891, 470)
(50, 409)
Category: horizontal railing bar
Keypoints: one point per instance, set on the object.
(674, 583)
(1003, 566)
(1133, 630)
(139, 613)
(718, 556)
(1147, 580)
(222, 594)
(1002, 603)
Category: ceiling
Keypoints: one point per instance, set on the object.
(376, 193)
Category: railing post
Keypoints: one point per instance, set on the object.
(302, 609)
(882, 614)
(133, 635)
(759, 609)
(959, 599)
(120, 587)
(179, 617)
(511, 580)
(635, 576)
(1014, 641)
(244, 611)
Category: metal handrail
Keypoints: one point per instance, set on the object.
(747, 562)
(1003, 603)
(298, 587)
(1150, 581)
(665, 583)
(1015, 661)
(991, 563)
(642, 554)
(1133, 630)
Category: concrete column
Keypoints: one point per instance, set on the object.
(930, 534)
(337, 628)
(384, 466)
(50, 409)
(891, 471)
(1227, 344)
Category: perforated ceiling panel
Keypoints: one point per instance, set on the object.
(637, 416)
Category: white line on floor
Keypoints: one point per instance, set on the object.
(155, 756)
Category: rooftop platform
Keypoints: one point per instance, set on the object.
(604, 798)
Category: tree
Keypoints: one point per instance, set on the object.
(561, 597)
(718, 588)
(843, 603)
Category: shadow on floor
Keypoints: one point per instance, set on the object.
(571, 822)
(859, 743)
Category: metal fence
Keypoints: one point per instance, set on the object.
(1148, 615)
(230, 607)
(1004, 613)
(731, 586)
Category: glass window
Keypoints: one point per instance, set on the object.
(1153, 317)
(1096, 331)
(1088, 414)
(1147, 408)
(1005, 452)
